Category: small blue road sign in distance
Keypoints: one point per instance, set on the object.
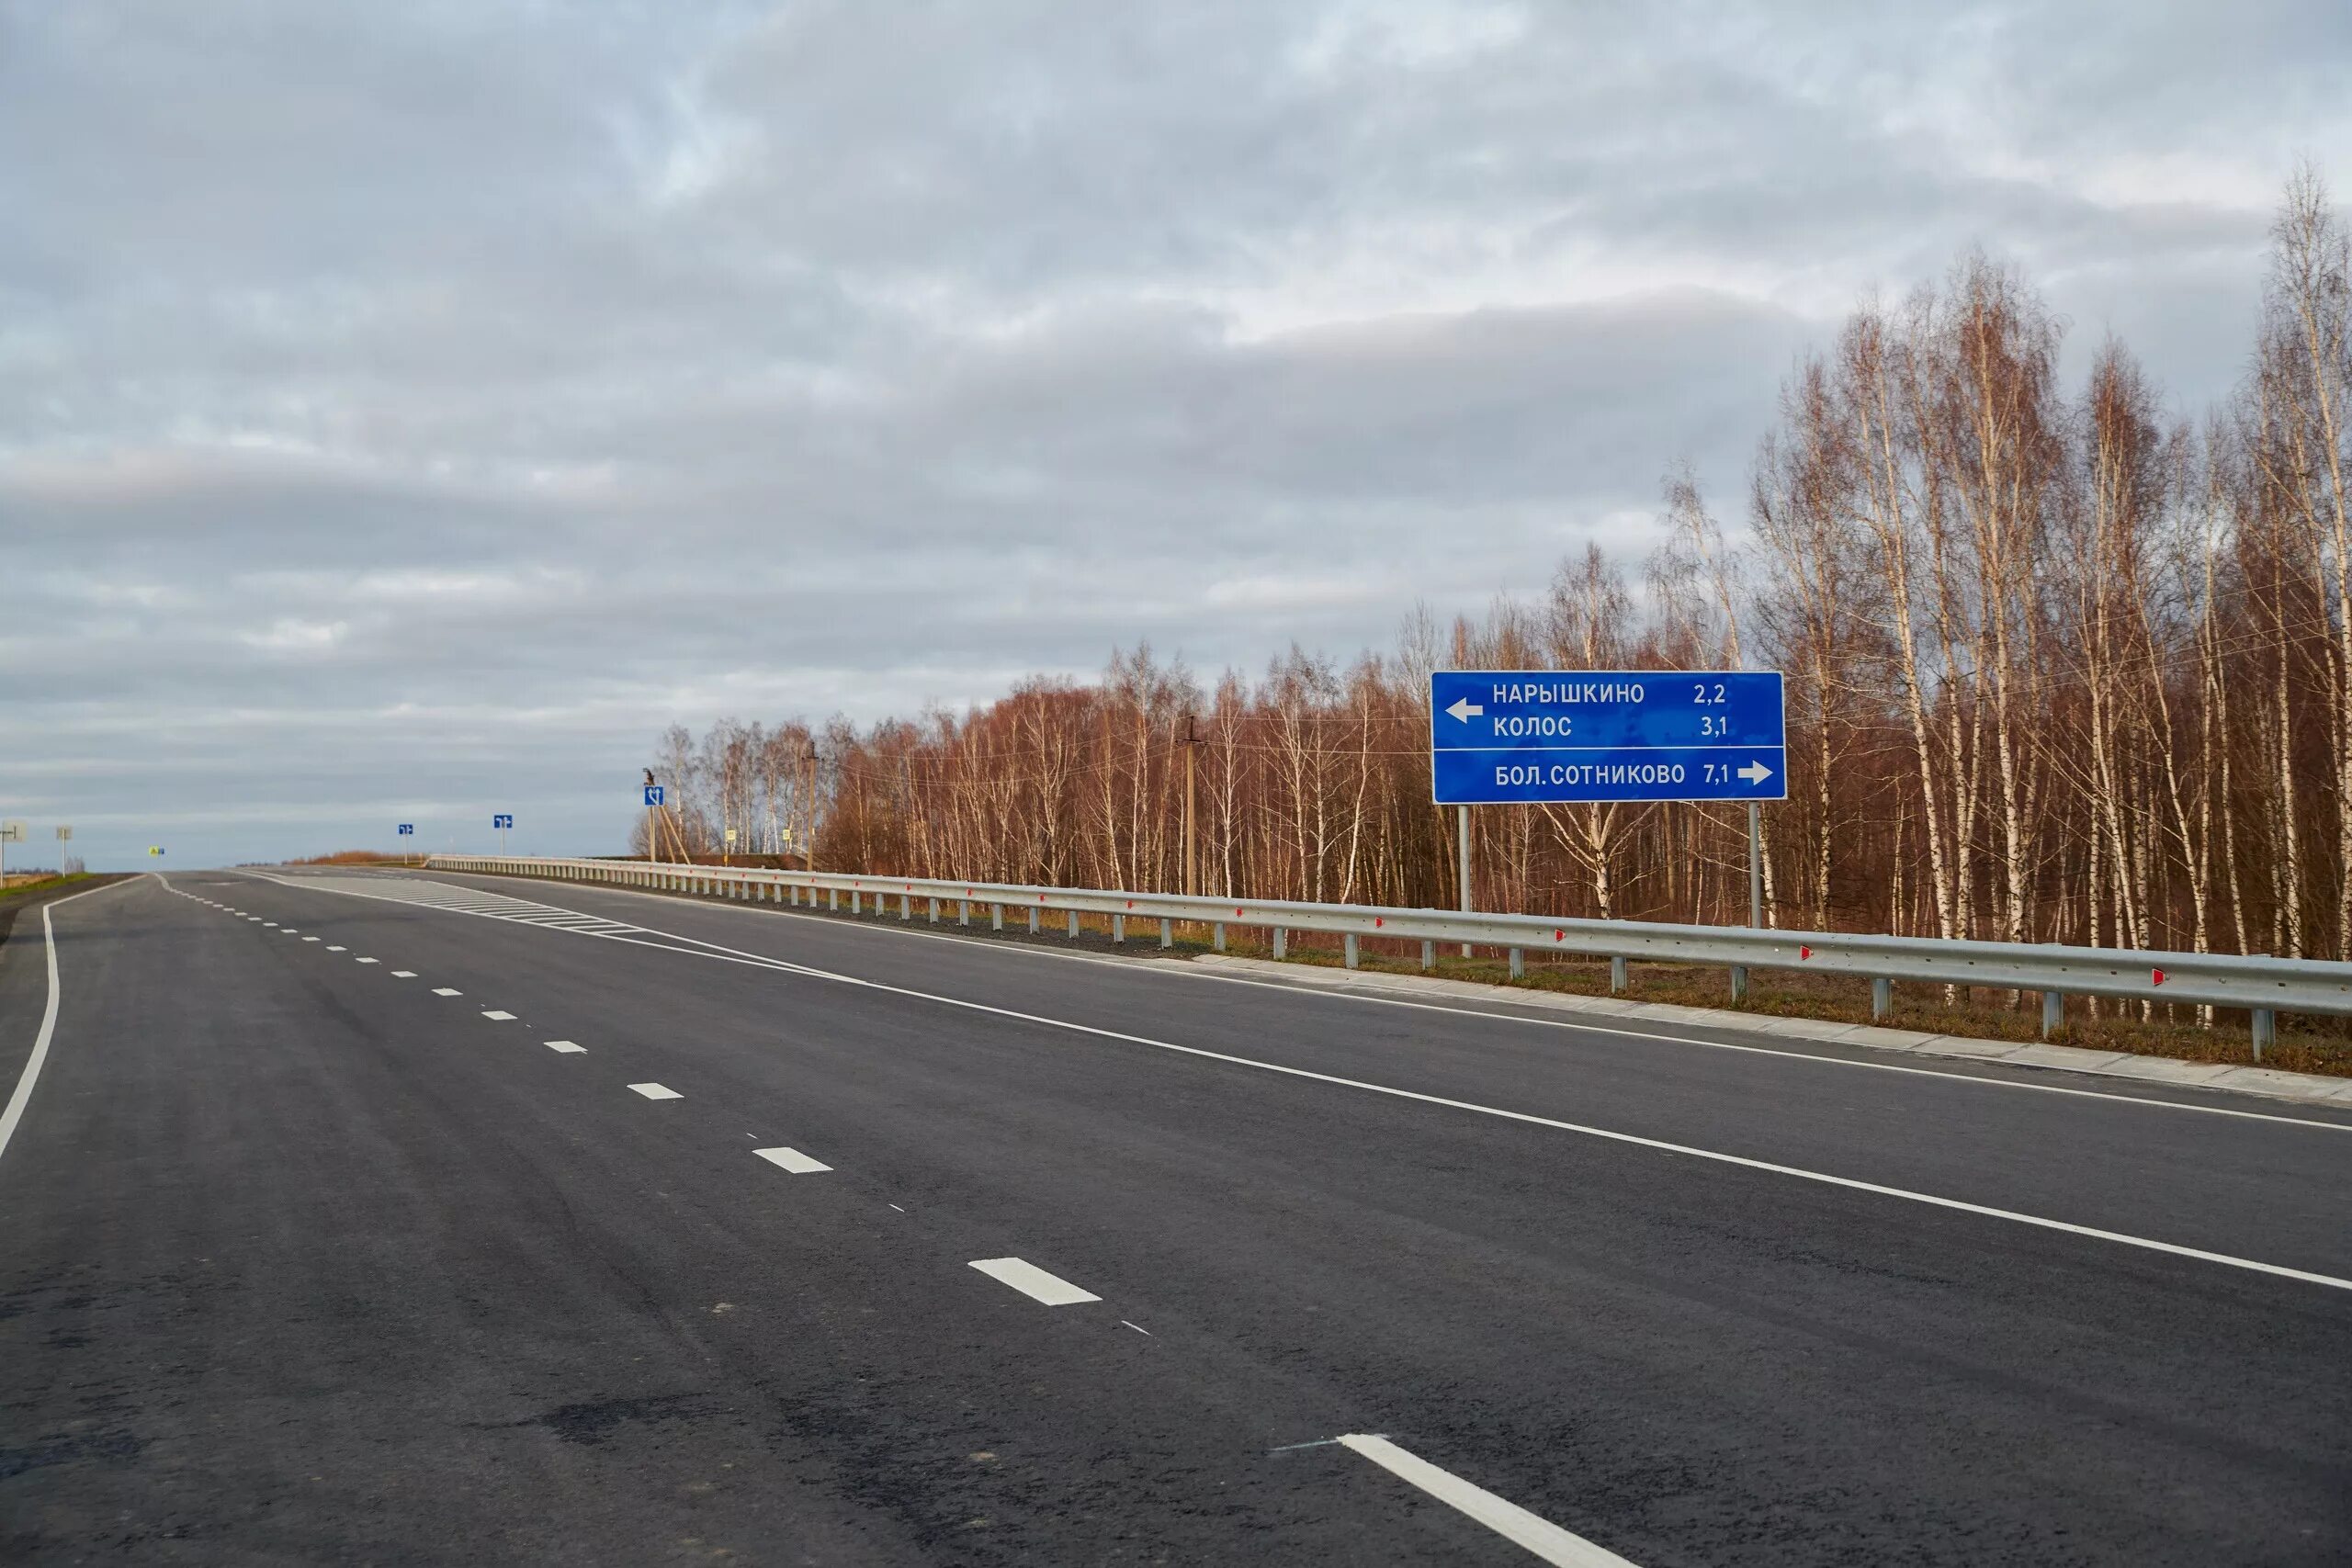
(503, 819)
(652, 795)
(407, 828)
(1499, 735)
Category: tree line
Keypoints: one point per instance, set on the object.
(2061, 665)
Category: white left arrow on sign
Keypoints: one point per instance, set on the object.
(1465, 709)
(1756, 772)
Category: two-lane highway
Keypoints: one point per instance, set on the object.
(429, 1218)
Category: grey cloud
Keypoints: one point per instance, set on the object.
(410, 409)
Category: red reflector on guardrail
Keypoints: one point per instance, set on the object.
(1803, 952)
(2156, 975)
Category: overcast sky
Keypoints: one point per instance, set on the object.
(407, 410)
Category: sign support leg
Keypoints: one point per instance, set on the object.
(1463, 822)
(1755, 865)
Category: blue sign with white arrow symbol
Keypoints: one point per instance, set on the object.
(652, 795)
(406, 829)
(1503, 736)
(501, 820)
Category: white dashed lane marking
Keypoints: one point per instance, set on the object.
(309, 938)
(403, 974)
(446, 991)
(656, 1092)
(1513, 1523)
(331, 949)
(792, 1160)
(1032, 1281)
(566, 1046)
(363, 961)
(501, 1017)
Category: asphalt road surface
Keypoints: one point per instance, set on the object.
(369, 1218)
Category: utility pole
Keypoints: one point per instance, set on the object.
(1192, 741)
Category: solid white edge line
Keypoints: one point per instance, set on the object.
(1507, 1519)
(23, 1095)
(1956, 1073)
(1033, 1281)
(1849, 1183)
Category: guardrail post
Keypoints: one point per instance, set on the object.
(1519, 964)
(1617, 980)
(1167, 934)
(1033, 919)
(856, 902)
(1118, 927)
(1740, 982)
(996, 916)
(1429, 955)
(963, 918)
(2053, 1012)
(1351, 950)
(1073, 925)
(1217, 936)
(1882, 999)
(2266, 1029)
(935, 911)
(834, 895)
(1282, 944)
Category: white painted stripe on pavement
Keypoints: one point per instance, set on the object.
(1032, 1281)
(1849, 1183)
(1984, 1210)
(363, 961)
(792, 1160)
(403, 974)
(656, 1092)
(1513, 1523)
(338, 950)
(566, 1046)
(309, 938)
(267, 924)
(24, 1090)
(446, 991)
(501, 1017)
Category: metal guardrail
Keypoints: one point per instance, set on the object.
(2263, 987)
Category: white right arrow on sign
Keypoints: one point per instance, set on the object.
(1756, 772)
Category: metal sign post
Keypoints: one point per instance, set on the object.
(502, 821)
(11, 832)
(652, 817)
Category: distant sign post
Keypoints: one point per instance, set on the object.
(11, 832)
(408, 830)
(501, 820)
(1524, 737)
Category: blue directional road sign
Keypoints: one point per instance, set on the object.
(501, 820)
(652, 795)
(1598, 735)
(407, 829)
